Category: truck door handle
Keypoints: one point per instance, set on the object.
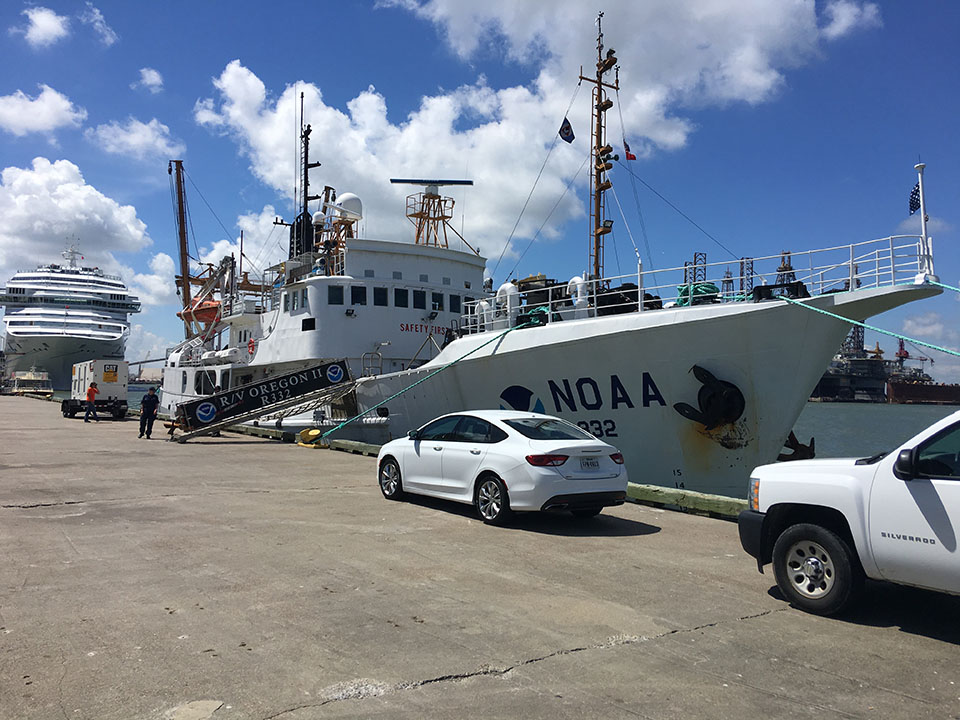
(438, 447)
(474, 452)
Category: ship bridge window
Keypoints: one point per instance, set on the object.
(466, 284)
(420, 299)
(203, 383)
(368, 273)
(424, 278)
(358, 295)
(303, 297)
(224, 380)
(286, 302)
(401, 297)
(455, 304)
(397, 275)
(335, 295)
(296, 300)
(380, 296)
(446, 281)
(437, 301)
(183, 382)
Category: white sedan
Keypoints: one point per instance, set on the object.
(502, 461)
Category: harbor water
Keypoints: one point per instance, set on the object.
(864, 429)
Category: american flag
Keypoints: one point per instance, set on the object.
(915, 199)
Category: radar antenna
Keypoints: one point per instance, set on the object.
(430, 212)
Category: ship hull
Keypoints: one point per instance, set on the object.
(923, 393)
(624, 378)
(58, 354)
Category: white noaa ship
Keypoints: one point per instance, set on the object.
(59, 315)
(697, 377)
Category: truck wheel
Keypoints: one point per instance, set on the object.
(816, 569)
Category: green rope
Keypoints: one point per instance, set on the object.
(948, 351)
(538, 317)
(943, 285)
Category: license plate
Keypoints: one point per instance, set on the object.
(589, 463)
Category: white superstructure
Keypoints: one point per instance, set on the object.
(59, 315)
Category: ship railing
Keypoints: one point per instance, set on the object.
(884, 262)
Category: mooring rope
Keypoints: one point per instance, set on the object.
(530, 323)
(899, 336)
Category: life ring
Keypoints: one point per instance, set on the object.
(251, 345)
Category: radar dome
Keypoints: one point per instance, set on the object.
(351, 204)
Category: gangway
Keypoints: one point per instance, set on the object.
(274, 397)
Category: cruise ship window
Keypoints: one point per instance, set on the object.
(358, 295)
(296, 300)
(335, 294)
(368, 273)
(380, 296)
(455, 304)
(286, 302)
(424, 278)
(446, 281)
(437, 301)
(420, 299)
(401, 297)
(303, 297)
(397, 275)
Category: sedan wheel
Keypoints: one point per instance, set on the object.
(391, 484)
(491, 501)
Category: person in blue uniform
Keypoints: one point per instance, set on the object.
(149, 404)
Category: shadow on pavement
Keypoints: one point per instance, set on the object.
(912, 610)
(548, 523)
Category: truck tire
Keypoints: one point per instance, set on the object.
(816, 569)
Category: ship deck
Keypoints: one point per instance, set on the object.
(272, 581)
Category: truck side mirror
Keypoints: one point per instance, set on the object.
(903, 467)
(414, 434)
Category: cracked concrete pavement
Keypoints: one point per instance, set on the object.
(242, 578)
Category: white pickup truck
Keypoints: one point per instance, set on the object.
(828, 524)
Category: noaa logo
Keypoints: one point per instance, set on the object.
(520, 398)
(206, 412)
(334, 373)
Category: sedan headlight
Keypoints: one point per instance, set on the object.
(753, 494)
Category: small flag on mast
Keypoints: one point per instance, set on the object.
(566, 131)
(915, 199)
(626, 149)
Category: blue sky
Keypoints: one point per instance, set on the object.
(775, 124)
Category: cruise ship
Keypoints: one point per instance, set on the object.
(58, 315)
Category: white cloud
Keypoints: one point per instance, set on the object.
(911, 225)
(690, 54)
(150, 79)
(845, 16)
(145, 345)
(264, 243)
(933, 328)
(94, 18)
(44, 27)
(49, 205)
(138, 139)
(158, 286)
(21, 114)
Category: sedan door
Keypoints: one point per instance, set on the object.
(462, 458)
(423, 464)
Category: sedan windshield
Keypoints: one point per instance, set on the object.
(538, 429)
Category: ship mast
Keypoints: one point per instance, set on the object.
(175, 168)
(601, 152)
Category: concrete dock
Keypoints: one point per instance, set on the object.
(237, 577)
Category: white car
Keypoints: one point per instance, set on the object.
(502, 461)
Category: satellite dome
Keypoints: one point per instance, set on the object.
(351, 204)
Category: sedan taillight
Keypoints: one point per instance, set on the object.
(617, 458)
(546, 460)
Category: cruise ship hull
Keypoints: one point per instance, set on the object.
(631, 379)
(58, 354)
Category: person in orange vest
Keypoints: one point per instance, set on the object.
(91, 403)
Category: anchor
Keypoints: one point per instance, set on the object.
(720, 401)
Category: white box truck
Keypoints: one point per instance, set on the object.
(111, 379)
